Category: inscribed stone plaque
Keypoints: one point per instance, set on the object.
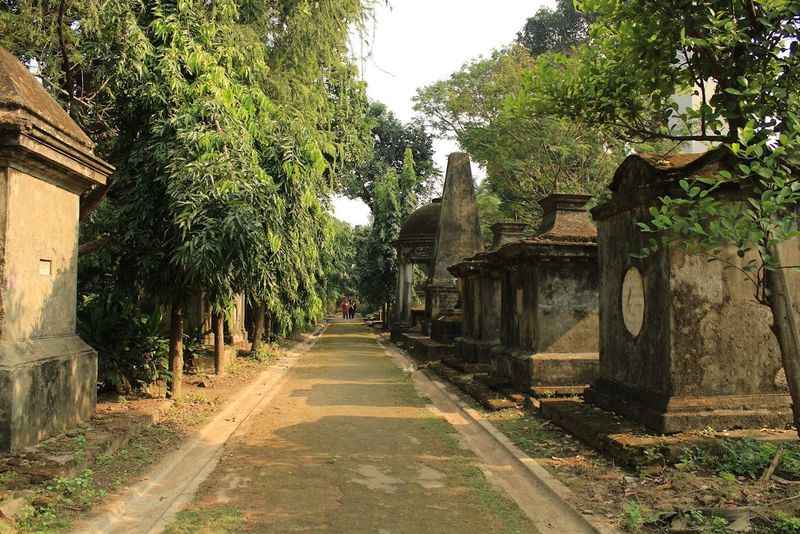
(633, 301)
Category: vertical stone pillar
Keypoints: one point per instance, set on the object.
(236, 323)
(407, 280)
(48, 375)
(458, 236)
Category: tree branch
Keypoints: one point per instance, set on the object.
(66, 64)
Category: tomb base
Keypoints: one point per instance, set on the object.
(399, 328)
(667, 415)
(48, 386)
(426, 349)
(551, 374)
(629, 443)
(474, 350)
(500, 366)
(446, 329)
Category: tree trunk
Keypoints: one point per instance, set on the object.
(219, 343)
(784, 325)
(268, 327)
(258, 327)
(176, 350)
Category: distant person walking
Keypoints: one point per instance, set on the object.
(353, 309)
(345, 309)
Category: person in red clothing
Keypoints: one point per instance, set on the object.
(345, 308)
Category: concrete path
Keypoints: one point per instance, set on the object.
(348, 446)
(344, 437)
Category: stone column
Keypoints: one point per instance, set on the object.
(48, 375)
(236, 323)
(406, 296)
(397, 316)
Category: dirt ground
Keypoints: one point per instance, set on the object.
(45, 503)
(659, 498)
(349, 446)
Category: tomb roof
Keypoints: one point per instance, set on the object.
(652, 169)
(421, 225)
(24, 102)
(642, 178)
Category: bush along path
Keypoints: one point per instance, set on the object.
(349, 445)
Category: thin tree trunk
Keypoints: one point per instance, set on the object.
(784, 325)
(258, 327)
(268, 327)
(219, 343)
(176, 350)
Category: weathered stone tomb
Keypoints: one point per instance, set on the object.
(48, 375)
(683, 342)
(481, 292)
(549, 317)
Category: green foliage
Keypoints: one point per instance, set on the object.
(376, 262)
(785, 524)
(633, 517)
(489, 210)
(338, 259)
(230, 124)
(742, 457)
(554, 30)
(132, 350)
(528, 152)
(641, 53)
(63, 493)
(707, 524)
(392, 140)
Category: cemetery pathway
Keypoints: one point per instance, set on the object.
(350, 443)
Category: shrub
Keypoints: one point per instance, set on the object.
(132, 351)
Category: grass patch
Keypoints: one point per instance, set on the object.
(208, 520)
(742, 457)
(514, 521)
(51, 508)
(532, 434)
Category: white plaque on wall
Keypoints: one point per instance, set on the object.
(633, 301)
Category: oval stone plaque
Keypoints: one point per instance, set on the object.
(633, 301)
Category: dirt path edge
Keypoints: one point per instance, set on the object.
(148, 506)
(555, 489)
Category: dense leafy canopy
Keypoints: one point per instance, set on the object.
(392, 138)
(231, 123)
(528, 153)
(554, 30)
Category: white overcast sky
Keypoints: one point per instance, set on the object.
(417, 42)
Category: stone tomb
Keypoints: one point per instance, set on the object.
(199, 319)
(683, 343)
(48, 375)
(481, 290)
(549, 314)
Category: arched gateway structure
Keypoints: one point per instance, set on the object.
(414, 246)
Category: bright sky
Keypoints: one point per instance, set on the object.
(417, 42)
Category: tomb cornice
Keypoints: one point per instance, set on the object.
(642, 178)
(29, 149)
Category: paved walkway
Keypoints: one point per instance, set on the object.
(349, 446)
